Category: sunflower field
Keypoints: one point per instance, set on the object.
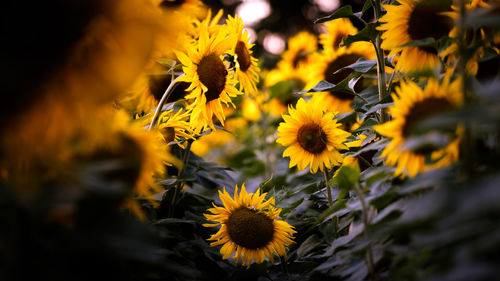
(250, 140)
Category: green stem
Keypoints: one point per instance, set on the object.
(366, 222)
(382, 90)
(328, 189)
(164, 99)
(178, 186)
(284, 267)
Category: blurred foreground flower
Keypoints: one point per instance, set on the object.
(413, 104)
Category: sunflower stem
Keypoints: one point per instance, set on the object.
(329, 191)
(382, 90)
(467, 147)
(284, 267)
(178, 186)
(163, 100)
(366, 221)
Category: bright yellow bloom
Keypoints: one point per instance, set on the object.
(312, 137)
(337, 30)
(411, 105)
(247, 70)
(410, 21)
(174, 126)
(295, 61)
(211, 83)
(249, 227)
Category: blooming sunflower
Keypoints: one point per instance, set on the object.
(336, 31)
(295, 61)
(324, 66)
(249, 226)
(413, 104)
(410, 21)
(211, 84)
(149, 88)
(313, 137)
(174, 126)
(246, 65)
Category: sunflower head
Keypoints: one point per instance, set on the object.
(174, 126)
(336, 31)
(312, 137)
(211, 83)
(413, 104)
(249, 227)
(246, 65)
(415, 20)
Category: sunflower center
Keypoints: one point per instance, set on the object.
(425, 21)
(299, 58)
(171, 3)
(335, 78)
(423, 110)
(212, 73)
(244, 59)
(338, 40)
(159, 83)
(312, 138)
(168, 133)
(250, 229)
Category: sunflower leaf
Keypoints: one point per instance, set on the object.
(343, 12)
(368, 34)
(362, 65)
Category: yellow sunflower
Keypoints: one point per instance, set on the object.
(411, 105)
(247, 70)
(149, 88)
(174, 126)
(249, 227)
(410, 21)
(324, 66)
(211, 84)
(295, 61)
(336, 31)
(312, 137)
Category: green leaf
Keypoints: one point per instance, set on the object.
(367, 124)
(362, 65)
(368, 34)
(308, 245)
(346, 177)
(343, 12)
(366, 6)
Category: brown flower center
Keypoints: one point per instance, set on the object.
(159, 83)
(338, 40)
(212, 73)
(425, 21)
(335, 78)
(171, 3)
(168, 133)
(428, 49)
(299, 58)
(422, 110)
(312, 138)
(244, 59)
(250, 229)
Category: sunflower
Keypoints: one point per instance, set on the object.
(246, 65)
(336, 31)
(249, 227)
(211, 84)
(148, 89)
(295, 61)
(410, 21)
(324, 66)
(313, 137)
(174, 126)
(413, 104)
